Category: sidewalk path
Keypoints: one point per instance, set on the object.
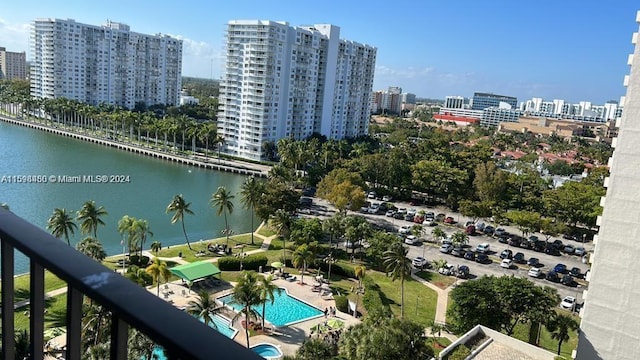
(441, 304)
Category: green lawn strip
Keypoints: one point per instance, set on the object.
(190, 255)
(22, 284)
(419, 300)
(266, 231)
(56, 310)
(437, 344)
(436, 279)
(521, 332)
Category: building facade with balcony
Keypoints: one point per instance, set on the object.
(282, 81)
(104, 64)
(13, 65)
(610, 325)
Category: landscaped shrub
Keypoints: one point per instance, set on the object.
(139, 261)
(254, 262)
(338, 269)
(229, 263)
(459, 353)
(342, 303)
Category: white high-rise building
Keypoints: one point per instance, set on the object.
(283, 81)
(104, 64)
(610, 325)
(454, 102)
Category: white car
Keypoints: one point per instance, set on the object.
(412, 212)
(429, 222)
(386, 198)
(419, 262)
(506, 263)
(411, 240)
(483, 248)
(405, 229)
(568, 303)
(447, 270)
(371, 195)
(534, 272)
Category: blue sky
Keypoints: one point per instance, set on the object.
(572, 49)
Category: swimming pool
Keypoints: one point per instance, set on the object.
(267, 351)
(285, 310)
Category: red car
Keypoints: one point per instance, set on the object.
(449, 220)
(470, 230)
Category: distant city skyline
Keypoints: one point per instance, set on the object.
(571, 50)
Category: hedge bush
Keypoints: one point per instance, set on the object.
(342, 303)
(338, 269)
(251, 262)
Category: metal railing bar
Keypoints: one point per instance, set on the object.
(8, 326)
(119, 332)
(36, 310)
(74, 323)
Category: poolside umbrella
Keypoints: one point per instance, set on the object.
(277, 264)
(335, 323)
(54, 332)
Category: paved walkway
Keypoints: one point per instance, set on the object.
(441, 304)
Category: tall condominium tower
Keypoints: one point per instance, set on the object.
(13, 65)
(283, 81)
(610, 326)
(104, 64)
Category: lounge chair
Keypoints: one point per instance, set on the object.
(291, 278)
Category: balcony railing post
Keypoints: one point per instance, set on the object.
(74, 323)
(8, 338)
(36, 311)
(119, 334)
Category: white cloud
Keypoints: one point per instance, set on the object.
(14, 37)
(200, 58)
(407, 73)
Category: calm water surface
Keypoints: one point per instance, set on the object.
(152, 184)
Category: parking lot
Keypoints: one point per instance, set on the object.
(430, 250)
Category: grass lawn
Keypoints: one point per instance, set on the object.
(56, 311)
(190, 255)
(436, 279)
(546, 342)
(22, 285)
(420, 301)
(438, 344)
(266, 231)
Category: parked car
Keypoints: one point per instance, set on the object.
(364, 209)
(374, 208)
(446, 248)
(570, 237)
(449, 220)
(457, 251)
(463, 271)
(402, 211)
(371, 195)
(386, 198)
(440, 217)
(503, 239)
(398, 215)
(411, 240)
(552, 250)
(567, 280)
(553, 276)
(576, 272)
(560, 268)
(408, 217)
(535, 272)
(447, 270)
(499, 232)
(419, 262)
(429, 222)
(506, 254)
(568, 303)
(405, 229)
(533, 262)
(390, 213)
(482, 258)
(488, 230)
(470, 230)
(569, 249)
(514, 241)
(480, 226)
(470, 255)
(518, 258)
(430, 215)
(580, 251)
(506, 263)
(412, 212)
(418, 219)
(483, 248)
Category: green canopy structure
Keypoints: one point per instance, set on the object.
(195, 270)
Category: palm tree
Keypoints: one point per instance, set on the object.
(560, 326)
(92, 248)
(156, 246)
(333, 225)
(438, 234)
(141, 230)
(267, 293)
(439, 264)
(396, 262)
(251, 192)
(301, 257)
(281, 223)
(179, 207)
(61, 224)
(159, 272)
(125, 228)
(204, 308)
(221, 200)
(219, 142)
(247, 295)
(459, 238)
(89, 217)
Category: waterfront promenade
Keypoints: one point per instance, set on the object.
(232, 166)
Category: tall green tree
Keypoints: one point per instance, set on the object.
(302, 256)
(396, 262)
(159, 271)
(179, 207)
(268, 290)
(90, 216)
(251, 192)
(221, 200)
(61, 224)
(282, 223)
(246, 293)
(204, 307)
(526, 221)
(561, 326)
(92, 248)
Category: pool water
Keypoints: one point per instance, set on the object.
(285, 309)
(267, 351)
